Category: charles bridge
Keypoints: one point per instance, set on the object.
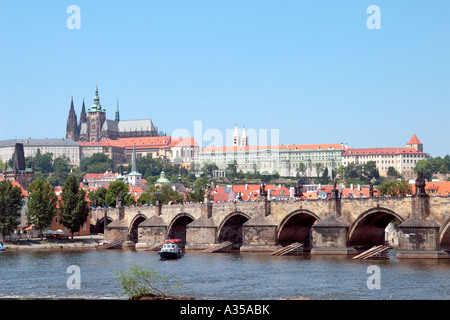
(324, 226)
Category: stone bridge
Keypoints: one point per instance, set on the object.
(324, 226)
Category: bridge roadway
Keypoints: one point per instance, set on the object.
(324, 226)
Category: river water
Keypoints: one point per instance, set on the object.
(246, 276)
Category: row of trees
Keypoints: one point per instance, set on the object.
(431, 166)
(42, 205)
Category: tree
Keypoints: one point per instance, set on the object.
(166, 195)
(73, 205)
(197, 193)
(392, 172)
(231, 171)
(208, 168)
(113, 191)
(41, 204)
(98, 196)
(369, 171)
(395, 188)
(97, 163)
(319, 168)
(137, 282)
(301, 169)
(11, 202)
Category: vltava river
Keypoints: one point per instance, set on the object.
(247, 276)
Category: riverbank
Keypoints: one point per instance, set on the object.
(78, 242)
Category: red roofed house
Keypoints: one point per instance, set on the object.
(433, 188)
(402, 159)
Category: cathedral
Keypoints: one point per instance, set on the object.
(94, 127)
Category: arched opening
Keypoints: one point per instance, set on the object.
(445, 237)
(99, 227)
(177, 230)
(370, 228)
(133, 230)
(297, 227)
(231, 229)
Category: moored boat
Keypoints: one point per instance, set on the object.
(2, 247)
(170, 250)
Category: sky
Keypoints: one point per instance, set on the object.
(310, 71)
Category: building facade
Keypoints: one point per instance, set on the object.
(401, 159)
(93, 125)
(57, 147)
(284, 159)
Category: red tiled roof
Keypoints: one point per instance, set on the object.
(414, 140)
(183, 142)
(442, 188)
(279, 147)
(16, 184)
(379, 151)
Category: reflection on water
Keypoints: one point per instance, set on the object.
(224, 275)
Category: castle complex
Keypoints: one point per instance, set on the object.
(94, 127)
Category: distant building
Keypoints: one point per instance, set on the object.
(402, 159)
(180, 150)
(57, 147)
(94, 127)
(284, 159)
(19, 173)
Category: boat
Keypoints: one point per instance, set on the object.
(2, 247)
(170, 250)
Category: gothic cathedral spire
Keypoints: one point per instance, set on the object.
(72, 128)
(117, 112)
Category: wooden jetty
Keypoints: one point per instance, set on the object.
(293, 248)
(376, 250)
(218, 247)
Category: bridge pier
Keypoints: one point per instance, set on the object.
(259, 234)
(151, 232)
(201, 233)
(419, 235)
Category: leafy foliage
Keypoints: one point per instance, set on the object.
(11, 202)
(138, 282)
(395, 188)
(41, 204)
(73, 205)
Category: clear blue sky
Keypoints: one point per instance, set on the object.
(311, 69)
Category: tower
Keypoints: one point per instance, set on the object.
(236, 137)
(415, 143)
(72, 128)
(117, 112)
(18, 172)
(244, 139)
(96, 117)
(83, 117)
(134, 177)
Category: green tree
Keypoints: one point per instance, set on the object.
(113, 191)
(138, 282)
(11, 202)
(41, 204)
(98, 196)
(73, 205)
(197, 192)
(97, 163)
(392, 172)
(394, 188)
(319, 168)
(166, 194)
(208, 168)
(301, 169)
(231, 171)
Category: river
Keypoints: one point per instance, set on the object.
(229, 276)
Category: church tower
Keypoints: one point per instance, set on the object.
(236, 137)
(117, 112)
(96, 117)
(244, 139)
(83, 117)
(72, 128)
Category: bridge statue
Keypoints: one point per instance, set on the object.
(420, 185)
(262, 190)
(298, 189)
(119, 200)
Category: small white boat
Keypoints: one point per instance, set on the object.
(170, 250)
(2, 247)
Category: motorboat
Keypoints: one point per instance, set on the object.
(2, 247)
(170, 250)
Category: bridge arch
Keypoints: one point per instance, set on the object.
(296, 227)
(99, 226)
(133, 227)
(444, 235)
(177, 227)
(369, 228)
(231, 228)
